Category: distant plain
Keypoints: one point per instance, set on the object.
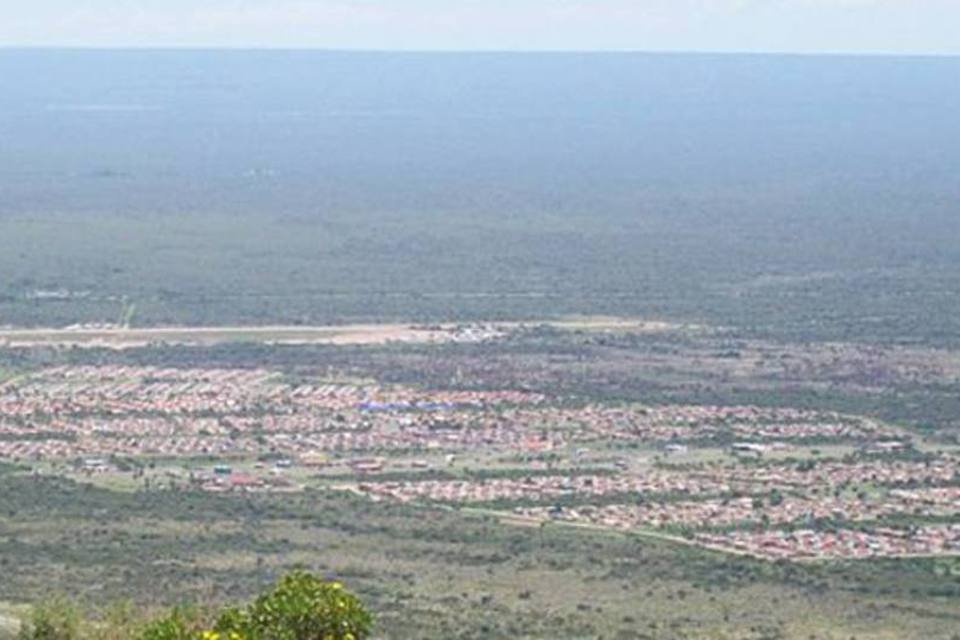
(791, 197)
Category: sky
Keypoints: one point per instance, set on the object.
(796, 26)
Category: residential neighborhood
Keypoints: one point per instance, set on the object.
(768, 481)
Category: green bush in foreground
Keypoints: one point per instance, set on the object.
(300, 607)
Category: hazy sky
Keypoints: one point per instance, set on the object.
(901, 26)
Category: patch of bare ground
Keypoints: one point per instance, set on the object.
(353, 334)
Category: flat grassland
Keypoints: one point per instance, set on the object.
(431, 572)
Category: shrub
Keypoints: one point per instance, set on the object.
(181, 624)
(301, 607)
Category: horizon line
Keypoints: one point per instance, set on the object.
(476, 51)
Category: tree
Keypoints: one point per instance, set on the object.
(301, 607)
(181, 624)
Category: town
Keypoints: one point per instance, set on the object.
(769, 482)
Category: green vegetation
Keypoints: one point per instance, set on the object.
(300, 607)
(431, 572)
(428, 267)
(916, 387)
(793, 217)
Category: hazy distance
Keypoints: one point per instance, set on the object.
(814, 193)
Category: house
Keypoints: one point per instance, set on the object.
(245, 481)
(314, 460)
(366, 465)
(753, 448)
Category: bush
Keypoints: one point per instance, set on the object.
(181, 624)
(300, 607)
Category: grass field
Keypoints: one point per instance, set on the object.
(462, 575)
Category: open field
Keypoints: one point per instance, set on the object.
(120, 338)
(431, 572)
(700, 189)
(366, 334)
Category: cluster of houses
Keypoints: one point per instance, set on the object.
(536, 488)
(68, 412)
(244, 482)
(686, 422)
(121, 390)
(134, 411)
(753, 511)
(941, 469)
(781, 509)
(117, 390)
(770, 506)
(841, 543)
(690, 423)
